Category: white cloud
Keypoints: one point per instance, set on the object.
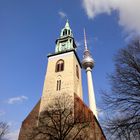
(12, 135)
(17, 99)
(2, 112)
(128, 11)
(62, 14)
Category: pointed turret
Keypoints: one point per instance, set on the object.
(66, 40)
(88, 64)
(66, 31)
(67, 26)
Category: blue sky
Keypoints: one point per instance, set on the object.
(28, 30)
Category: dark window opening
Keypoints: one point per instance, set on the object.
(62, 66)
(62, 41)
(77, 71)
(65, 32)
(59, 66)
(58, 86)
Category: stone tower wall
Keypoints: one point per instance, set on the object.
(29, 123)
(70, 84)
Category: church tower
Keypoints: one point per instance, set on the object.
(63, 77)
(64, 69)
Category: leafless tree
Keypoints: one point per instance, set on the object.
(4, 128)
(57, 121)
(124, 99)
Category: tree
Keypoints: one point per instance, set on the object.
(4, 128)
(57, 121)
(124, 99)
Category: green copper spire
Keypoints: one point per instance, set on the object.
(66, 31)
(66, 40)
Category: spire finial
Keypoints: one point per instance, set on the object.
(67, 24)
(85, 40)
(67, 20)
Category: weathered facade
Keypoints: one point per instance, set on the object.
(63, 77)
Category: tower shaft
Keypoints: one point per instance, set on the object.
(91, 95)
(88, 64)
(64, 81)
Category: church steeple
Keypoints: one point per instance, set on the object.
(66, 31)
(66, 41)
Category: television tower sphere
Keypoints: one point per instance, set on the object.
(87, 58)
(87, 61)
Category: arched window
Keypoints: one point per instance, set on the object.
(69, 32)
(65, 32)
(77, 71)
(58, 86)
(59, 65)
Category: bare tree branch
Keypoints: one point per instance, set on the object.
(124, 99)
(57, 121)
(4, 129)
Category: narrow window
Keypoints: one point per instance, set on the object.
(69, 32)
(77, 71)
(65, 32)
(62, 67)
(59, 66)
(58, 86)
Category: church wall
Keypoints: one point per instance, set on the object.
(70, 84)
(29, 123)
(83, 114)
